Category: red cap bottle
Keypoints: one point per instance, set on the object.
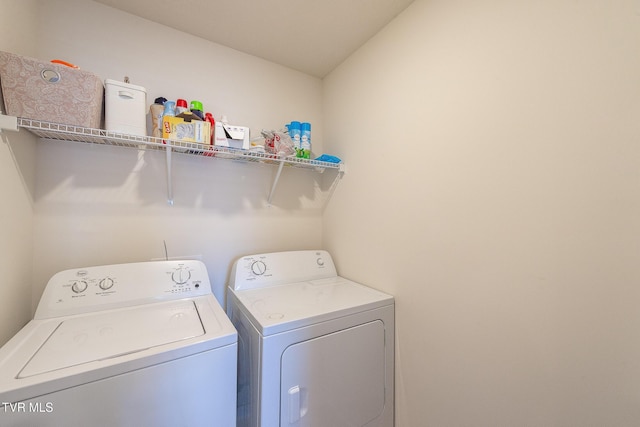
(209, 118)
(181, 106)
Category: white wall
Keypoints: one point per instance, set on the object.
(101, 205)
(17, 160)
(493, 187)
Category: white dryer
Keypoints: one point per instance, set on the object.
(315, 349)
(142, 344)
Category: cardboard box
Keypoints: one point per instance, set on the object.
(179, 129)
(232, 136)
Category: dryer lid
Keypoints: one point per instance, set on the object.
(103, 336)
(286, 307)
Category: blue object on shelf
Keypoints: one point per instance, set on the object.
(328, 158)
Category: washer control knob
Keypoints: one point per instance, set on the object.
(258, 268)
(79, 286)
(106, 283)
(181, 276)
(320, 262)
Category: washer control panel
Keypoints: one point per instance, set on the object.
(121, 285)
(277, 268)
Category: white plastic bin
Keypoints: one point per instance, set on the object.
(125, 108)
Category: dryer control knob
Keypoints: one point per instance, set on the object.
(181, 276)
(79, 286)
(106, 283)
(258, 268)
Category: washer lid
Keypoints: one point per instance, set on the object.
(103, 336)
(282, 308)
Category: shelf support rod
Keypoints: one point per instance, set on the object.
(169, 180)
(275, 182)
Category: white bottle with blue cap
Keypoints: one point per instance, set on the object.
(294, 133)
(305, 140)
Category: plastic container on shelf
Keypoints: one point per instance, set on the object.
(125, 108)
(157, 111)
(305, 140)
(209, 118)
(181, 106)
(294, 132)
(196, 108)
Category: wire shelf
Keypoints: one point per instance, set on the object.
(62, 132)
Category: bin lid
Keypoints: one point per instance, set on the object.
(115, 83)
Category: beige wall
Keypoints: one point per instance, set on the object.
(98, 205)
(17, 160)
(493, 188)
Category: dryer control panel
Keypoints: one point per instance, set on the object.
(88, 289)
(277, 268)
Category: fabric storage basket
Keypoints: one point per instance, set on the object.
(50, 92)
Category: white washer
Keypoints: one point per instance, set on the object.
(315, 349)
(143, 344)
